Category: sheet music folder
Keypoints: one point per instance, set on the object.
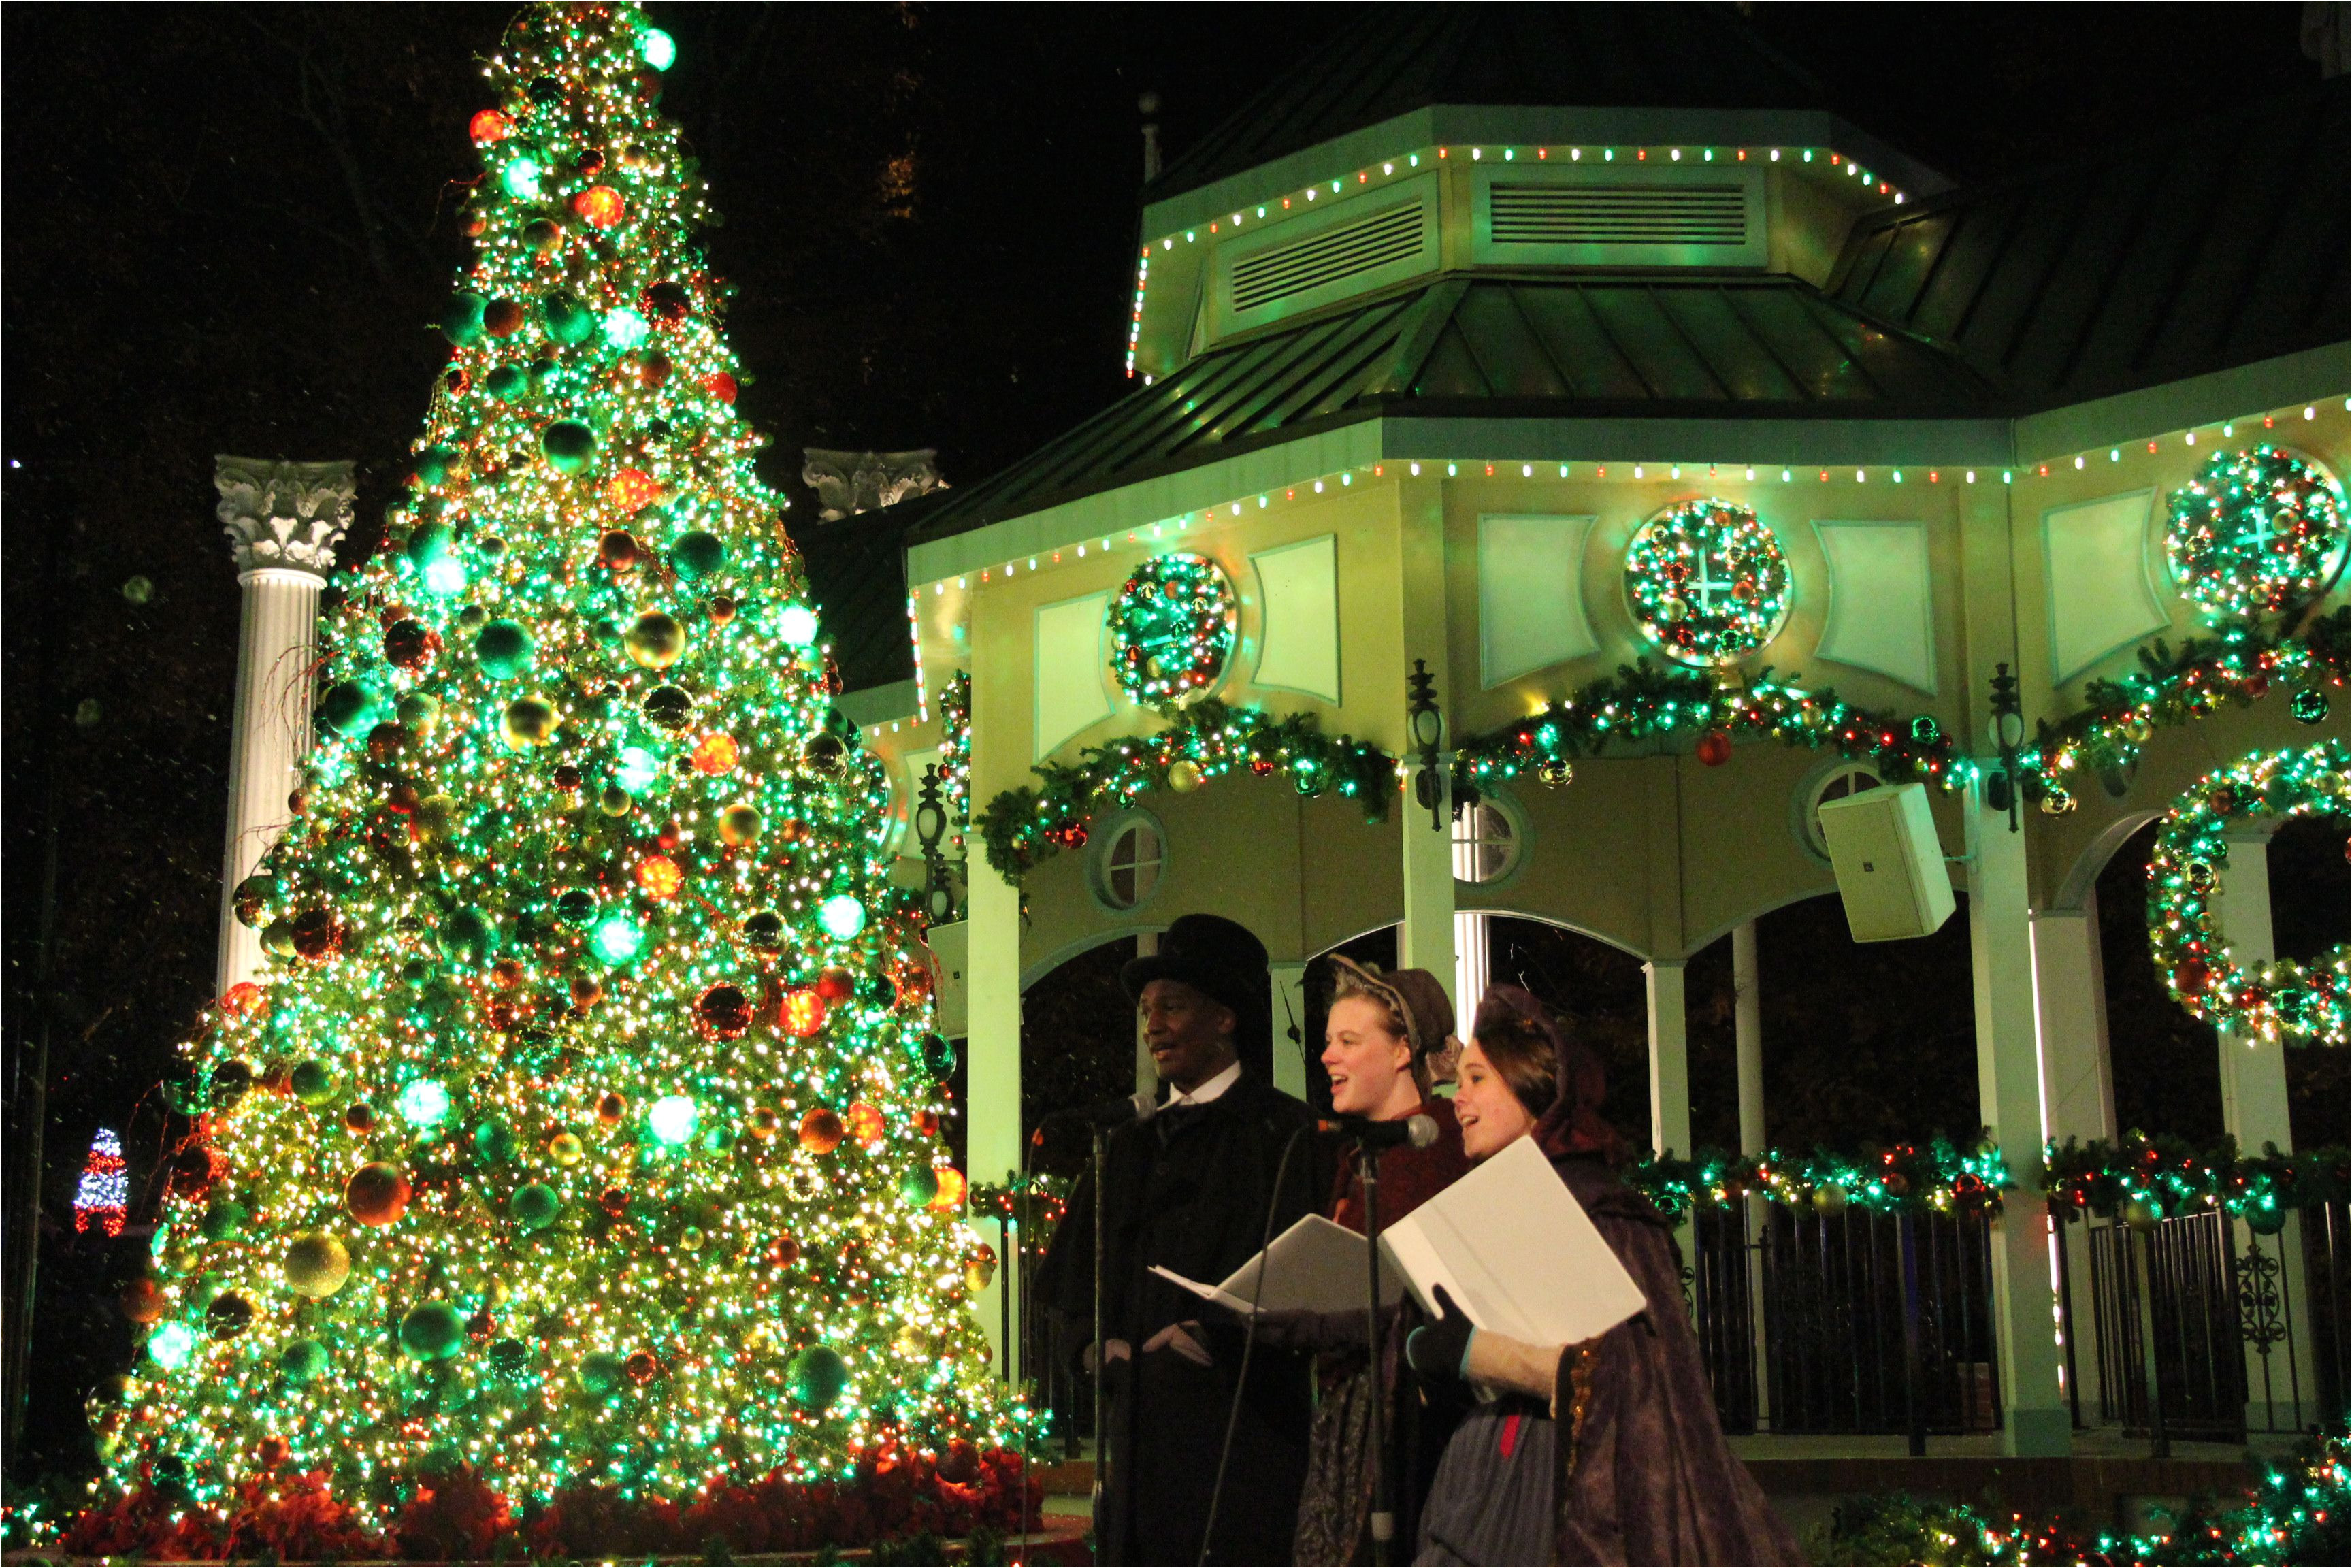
(1316, 1266)
(1516, 1252)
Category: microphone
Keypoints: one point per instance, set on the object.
(1420, 1132)
(1137, 1107)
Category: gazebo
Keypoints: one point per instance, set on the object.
(1562, 453)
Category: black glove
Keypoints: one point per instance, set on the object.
(1438, 1348)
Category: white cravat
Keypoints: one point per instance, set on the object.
(1207, 1091)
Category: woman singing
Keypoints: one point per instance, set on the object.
(1387, 1035)
(1608, 1451)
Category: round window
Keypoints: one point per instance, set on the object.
(1127, 861)
(1845, 779)
(1486, 842)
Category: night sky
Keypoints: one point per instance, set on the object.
(230, 228)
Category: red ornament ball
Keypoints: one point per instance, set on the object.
(835, 984)
(316, 934)
(642, 1366)
(488, 127)
(1714, 748)
(821, 1132)
(360, 1117)
(599, 204)
(143, 1302)
(617, 551)
(503, 318)
(376, 1194)
(2191, 976)
(411, 645)
(611, 1108)
(725, 1011)
(802, 1012)
(720, 386)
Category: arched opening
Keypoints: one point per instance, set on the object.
(1077, 1042)
(2166, 1073)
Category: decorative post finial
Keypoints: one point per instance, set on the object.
(283, 516)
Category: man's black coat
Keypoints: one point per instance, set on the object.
(1191, 1190)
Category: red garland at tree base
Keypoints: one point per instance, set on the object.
(894, 1493)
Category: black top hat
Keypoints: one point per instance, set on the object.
(1210, 954)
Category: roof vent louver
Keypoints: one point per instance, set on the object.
(1342, 251)
(1621, 214)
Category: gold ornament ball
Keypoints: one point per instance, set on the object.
(317, 1264)
(1555, 773)
(420, 715)
(566, 1148)
(529, 722)
(740, 825)
(657, 641)
(435, 816)
(614, 801)
(823, 756)
(1184, 775)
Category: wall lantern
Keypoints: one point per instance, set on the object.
(1428, 729)
(2008, 733)
(930, 826)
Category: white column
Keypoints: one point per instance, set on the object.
(2254, 1112)
(1146, 1071)
(1289, 1009)
(1748, 1036)
(2070, 995)
(2071, 1000)
(283, 520)
(1669, 1058)
(1427, 940)
(2035, 1419)
(992, 1048)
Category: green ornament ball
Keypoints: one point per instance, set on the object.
(568, 321)
(429, 542)
(2265, 1219)
(697, 555)
(434, 1331)
(818, 1374)
(461, 323)
(567, 445)
(600, 1372)
(938, 1057)
(303, 1360)
(508, 1360)
(494, 1142)
(575, 906)
(2309, 706)
(229, 1315)
(223, 1220)
(465, 937)
(505, 649)
(348, 708)
(507, 383)
(919, 1187)
(534, 1206)
(434, 463)
(2141, 1214)
(314, 1082)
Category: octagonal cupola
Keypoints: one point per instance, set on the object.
(1513, 140)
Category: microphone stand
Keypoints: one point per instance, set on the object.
(1102, 1353)
(1368, 1164)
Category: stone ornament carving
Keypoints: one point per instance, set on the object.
(847, 483)
(283, 515)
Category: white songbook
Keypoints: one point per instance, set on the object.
(1516, 1252)
(1314, 1267)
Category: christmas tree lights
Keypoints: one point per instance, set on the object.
(1641, 704)
(2277, 999)
(583, 911)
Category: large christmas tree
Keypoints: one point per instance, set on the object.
(587, 1122)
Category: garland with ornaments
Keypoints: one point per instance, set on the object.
(2257, 533)
(2142, 1180)
(1707, 582)
(2278, 999)
(1024, 827)
(955, 746)
(1934, 1177)
(1641, 703)
(2238, 665)
(1171, 629)
(2296, 1512)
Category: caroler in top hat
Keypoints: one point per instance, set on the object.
(1193, 1189)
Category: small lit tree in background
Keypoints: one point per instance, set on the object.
(586, 1125)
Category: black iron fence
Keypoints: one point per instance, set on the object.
(1852, 1322)
(2199, 1329)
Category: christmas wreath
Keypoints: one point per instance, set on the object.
(1707, 582)
(1172, 630)
(2281, 999)
(2255, 533)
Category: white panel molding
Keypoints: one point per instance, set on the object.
(1531, 593)
(2103, 596)
(1882, 599)
(1299, 618)
(1069, 673)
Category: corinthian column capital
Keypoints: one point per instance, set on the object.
(281, 515)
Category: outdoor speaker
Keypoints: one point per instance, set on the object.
(1890, 868)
